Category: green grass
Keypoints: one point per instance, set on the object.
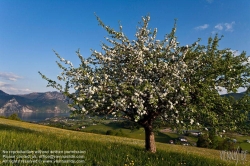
(241, 140)
(100, 149)
(101, 128)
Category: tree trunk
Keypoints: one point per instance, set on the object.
(149, 138)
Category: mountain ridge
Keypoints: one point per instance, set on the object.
(235, 95)
(47, 102)
(3, 93)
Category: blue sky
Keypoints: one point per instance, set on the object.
(30, 29)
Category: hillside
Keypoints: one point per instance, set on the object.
(53, 102)
(101, 149)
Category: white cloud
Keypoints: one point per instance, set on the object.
(9, 76)
(235, 52)
(247, 62)
(241, 90)
(226, 26)
(3, 84)
(221, 90)
(224, 91)
(219, 26)
(229, 26)
(11, 89)
(205, 26)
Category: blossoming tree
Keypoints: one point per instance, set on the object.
(141, 80)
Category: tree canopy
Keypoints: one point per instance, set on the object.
(147, 79)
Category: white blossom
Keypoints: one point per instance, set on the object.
(83, 109)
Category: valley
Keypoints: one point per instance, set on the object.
(124, 128)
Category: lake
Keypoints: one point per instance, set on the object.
(36, 117)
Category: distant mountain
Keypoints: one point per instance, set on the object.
(53, 102)
(235, 95)
(2, 93)
(46, 95)
(12, 106)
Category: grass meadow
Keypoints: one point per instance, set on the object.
(96, 149)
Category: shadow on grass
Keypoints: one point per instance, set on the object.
(16, 129)
(114, 125)
(163, 138)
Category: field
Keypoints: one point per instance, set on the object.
(117, 127)
(100, 149)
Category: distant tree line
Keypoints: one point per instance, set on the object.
(13, 116)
